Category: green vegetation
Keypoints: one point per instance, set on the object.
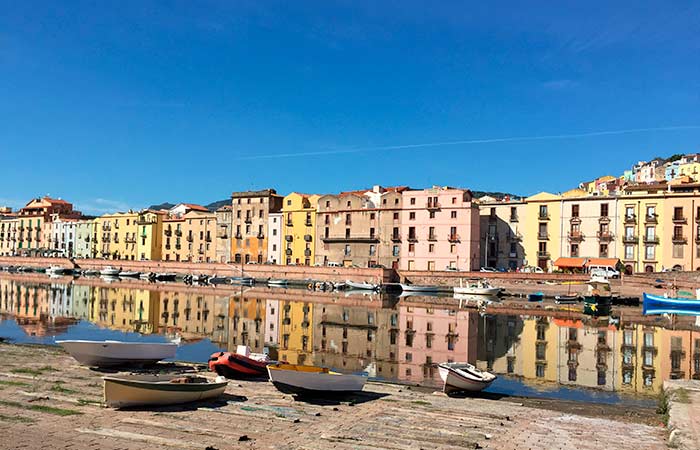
(662, 408)
(14, 383)
(58, 388)
(41, 408)
(18, 419)
(34, 372)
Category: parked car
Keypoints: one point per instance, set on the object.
(532, 269)
(488, 269)
(334, 264)
(604, 272)
(452, 269)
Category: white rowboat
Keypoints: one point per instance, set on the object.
(482, 287)
(418, 288)
(115, 353)
(311, 380)
(138, 390)
(460, 377)
(362, 285)
(109, 272)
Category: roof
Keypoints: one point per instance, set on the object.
(602, 262)
(261, 193)
(195, 207)
(225, 208)
(576, 263)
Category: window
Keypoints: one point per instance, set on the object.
(603, 210)
(395, 250)
(453, 214)
(412, 216)
(413, 201)
(677, 213)
(411, 232)
(372, 250)
(396, 216)
(651, 212)
(603, 250)
(574, 250)
(601, 377)
(649, 252)
(347, 249)
(411, 247)
(572, 373)
(629, 252)
(574, 210)
(543, 212)
(539, 370)
(678, 250)
(431, 215)
(453, 248)
(409, 357)
(540, 351)
(431, 248)
(328, 203)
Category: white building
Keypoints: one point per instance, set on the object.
(85, 239)
(274, 238)
(271, 319)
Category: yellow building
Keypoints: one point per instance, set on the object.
(130, 235)
(539, 349)
(542, 233)
(298, 227)
(691, 170)
(296, 332)
(150, 235)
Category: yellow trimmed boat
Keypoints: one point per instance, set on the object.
(140, 390)
(313, 381)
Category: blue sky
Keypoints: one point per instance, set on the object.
(124, 104)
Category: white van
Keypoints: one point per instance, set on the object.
(604, 272)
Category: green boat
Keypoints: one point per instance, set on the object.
(595, 305)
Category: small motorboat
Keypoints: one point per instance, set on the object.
(147, 276)
(116, 353)
(243, 363)
(201, 278)
(272, 282)
(110, 271)
(90, 272)
(339, 286)
(480, 287)
(130, 274)
(418, 288)
(366, 286)
(312, 380)
(659, 304)
(536, 297)
(58, 270)
(461, 377)
(166, 276)
(218, 280)
(141, 390)
(244, 281)
(566, 299)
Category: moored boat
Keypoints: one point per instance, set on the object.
(166, 276)
(140, 390)
(115, 353)
(566, 299)
(418, 288)
(277, 282)
(130, 274)
(479, 287)
(460, 377)
(218, 280)
(58, 270)
(245, 281)
(110, 271)
(536, 297)
(361, 285)
(243, 363)
(313, 381)
(659, 304)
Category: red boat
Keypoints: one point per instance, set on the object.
(237, 365)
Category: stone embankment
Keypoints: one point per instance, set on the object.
(48, 401)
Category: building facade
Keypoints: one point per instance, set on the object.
(502, 224)
(250, 213)
(439, 230)
(274, 238)
(298, 228)
(223, 233)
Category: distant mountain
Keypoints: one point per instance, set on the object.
(218, 204)
(165, 205)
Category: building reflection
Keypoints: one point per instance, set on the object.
(388, 338)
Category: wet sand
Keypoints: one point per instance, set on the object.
(48, 401)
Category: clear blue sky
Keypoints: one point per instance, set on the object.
(123, 104)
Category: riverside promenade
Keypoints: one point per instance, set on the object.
(48, 401)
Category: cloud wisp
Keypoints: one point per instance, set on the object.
(547, 137)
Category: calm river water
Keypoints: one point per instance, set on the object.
(400, 340)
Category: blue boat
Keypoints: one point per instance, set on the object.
(658, 304)
(536, 297)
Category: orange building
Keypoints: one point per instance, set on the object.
(250, 213)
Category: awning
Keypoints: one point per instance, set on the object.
(568, 323)
(575, 263)
(612, 262)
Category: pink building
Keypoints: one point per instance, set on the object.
(439, 230)
(430, 336)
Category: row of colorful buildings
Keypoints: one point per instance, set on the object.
(396, 341)
(643, 227)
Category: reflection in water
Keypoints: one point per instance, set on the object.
(390, 338)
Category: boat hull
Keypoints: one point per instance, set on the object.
(535, 297)
(363, 286)
(414, 288)
(302, 382)
(476, 290)
(657, 304)
(457, 382)
(234, 365)
(112, 353)
(120, 392)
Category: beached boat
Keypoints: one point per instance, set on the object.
(243, 363)
(536, 297)
(115, 353)
(141, 390)
(479, 287)
(418, 288)
(110, 271)
(361, 285)
(313, 381)
(460, 377)
(658, 304)
(129, 274)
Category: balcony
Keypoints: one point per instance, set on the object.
(543, 215)
(412, 238)
(190, 238)
(261, 235)
(396, 237)
(178, 246)
(288, 252)
(604, 219)
(307, 252)
(130, 240)
(631, 219)
(513, 218)
(543, 255)
(289, 223)
(575, 220)
(575, 236)
(289, 238)
(651, 218)
(178, 232)
(207, 238)
(432, 237)
(679, 239)
(432, 205)
(307, 238)
(543, 236)
(650, 239)
(350, 239)
(168, 232)
(679, 220)
(308, 223)
(630, 239)
(453, 237)
(517, 237)
(201, 251)
(604, 236)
